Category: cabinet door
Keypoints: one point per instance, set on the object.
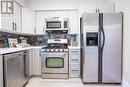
(30, 61)
(40, 22)
(74, 59)
(13, 21)
(74, 63)
(73, 22)
(74, 70)
(28, 20)
(1, 71)
(51, 14)
(7, 22)
(17, 17)
(6, 19)
(36, 62)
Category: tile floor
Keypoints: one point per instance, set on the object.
(73, 82)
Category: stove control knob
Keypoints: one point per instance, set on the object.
(52, 50)
(47, 50)
(61, 50)
(43, 50)
(65, 50)
(56, 50)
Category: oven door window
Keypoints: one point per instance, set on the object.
(53, 24)
(54, 62)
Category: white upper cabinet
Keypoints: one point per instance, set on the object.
(60, 13)
(40, 23)
(13, 21)
(74, 22)
(42, 15)
(28, 21)
(72, 15)
(7, 22)
(18, 17)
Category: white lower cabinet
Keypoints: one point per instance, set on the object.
(1, 71)
(74, 62)
(74, 70)
(36, 62)
(30, 61)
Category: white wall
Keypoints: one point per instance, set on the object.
(62, 4)
(22, 2)
(124, 6)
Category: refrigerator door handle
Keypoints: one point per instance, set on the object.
(103, 33)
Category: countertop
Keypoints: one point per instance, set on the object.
(10, 50)
(74, 47)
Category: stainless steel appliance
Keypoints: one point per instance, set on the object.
(55, 59)
(101, 47)
(56, 23)
(16, 69)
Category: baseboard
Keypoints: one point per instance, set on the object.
(125, 84)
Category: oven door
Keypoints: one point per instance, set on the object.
(55, 63)
(53, 24)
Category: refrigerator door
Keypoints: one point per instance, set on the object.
(112, 51)
(90, 48)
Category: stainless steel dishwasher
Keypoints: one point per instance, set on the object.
(16, 69)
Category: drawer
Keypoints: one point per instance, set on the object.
(74, 71)
(74, 59)
(74, 51)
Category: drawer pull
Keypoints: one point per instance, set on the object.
(75, 70)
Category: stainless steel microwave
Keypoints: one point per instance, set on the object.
(57, 23)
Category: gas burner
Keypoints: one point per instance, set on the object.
(56, 45)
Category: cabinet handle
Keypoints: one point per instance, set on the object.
(75, 70)
(13, 25)
(43, 30)
(20, 54)
(69, 30)
(35, 30)
(98, 11)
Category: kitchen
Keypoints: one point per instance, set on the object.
(30, 27)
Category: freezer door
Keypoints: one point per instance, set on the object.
(112, 51)
(90, 48)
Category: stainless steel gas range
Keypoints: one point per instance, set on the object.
(55, 59)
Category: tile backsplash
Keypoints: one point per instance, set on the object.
(74, 40)
(37, 40)
(4, 38)
(32, 40)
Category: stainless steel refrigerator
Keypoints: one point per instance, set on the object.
(101, 47)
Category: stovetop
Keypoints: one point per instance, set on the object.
(56, 46)
(55, 49)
